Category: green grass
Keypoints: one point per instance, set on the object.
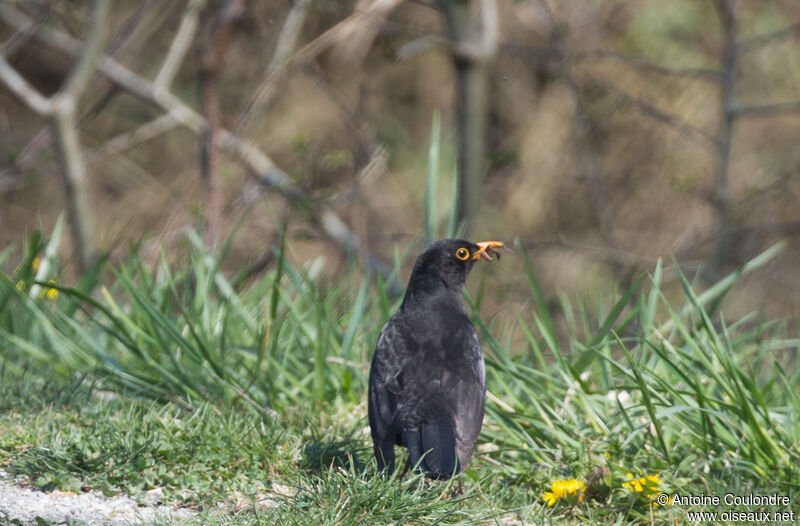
(247, 401)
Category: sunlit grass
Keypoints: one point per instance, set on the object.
(252, 395)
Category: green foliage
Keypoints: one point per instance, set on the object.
(667, 31)
(124, 445)
(185, 335)
(172, 377)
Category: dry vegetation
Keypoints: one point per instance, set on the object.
(612, 138)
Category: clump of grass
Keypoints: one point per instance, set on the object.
(238, 388)
(134, 447)
(686, 394)
(184, 335)
(346, 495)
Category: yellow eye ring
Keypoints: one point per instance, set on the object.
(462, 254)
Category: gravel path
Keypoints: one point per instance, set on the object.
(25, 505)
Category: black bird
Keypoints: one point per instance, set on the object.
(427, 384)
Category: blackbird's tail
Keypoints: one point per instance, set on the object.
(435, 444)
(384, 452)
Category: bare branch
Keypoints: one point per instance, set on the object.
(650, 110)
(642, 63)
(145, 132)
(567, 56)
(472, 72)
(73, 171)
(21, 36)
(214, 47)
(41, 140)
(589, 161)
(727, 16)
(417, 46)
(489, 28)
(180, 44)
(752, 43)
(26, 93)
(113, 146)
(287, 41)
(92, 49)
(766, 110)
(65, 133)
(258, 164)
(61, 109)
(376, 12)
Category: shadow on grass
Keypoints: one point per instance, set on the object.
(321, 454)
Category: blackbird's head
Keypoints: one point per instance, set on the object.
(449, 262)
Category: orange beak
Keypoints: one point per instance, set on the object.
(488, 249)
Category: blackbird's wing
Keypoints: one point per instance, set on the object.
(384, 390)
(466, 391)
(462, 388)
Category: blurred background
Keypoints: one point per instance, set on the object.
(598, 136)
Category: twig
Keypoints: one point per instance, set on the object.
(417, 46)
(569, 57)
(591, 165)
(113, 146)
(490, 32)
(61, 110)
(749, 44)
(766, 110)
(727, 15)
(21, 36)
(366, 144)
(213, 48)
(351, 26)
(180, 45)
(92, 49)
(258, 164)
(41, 140)
(145, 132)
(67, 140)
(587, 155)
(650, 110)
(642, 63)
(23, 90)
(163, 99)
(287, 40)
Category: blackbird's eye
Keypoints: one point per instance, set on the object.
(462, 254)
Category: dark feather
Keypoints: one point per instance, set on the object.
(427, 382)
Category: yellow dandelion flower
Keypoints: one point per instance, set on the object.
(49, 292)
(549, 498)
(647, 485)
(654, 499)
(564, 489)
(35, 264)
